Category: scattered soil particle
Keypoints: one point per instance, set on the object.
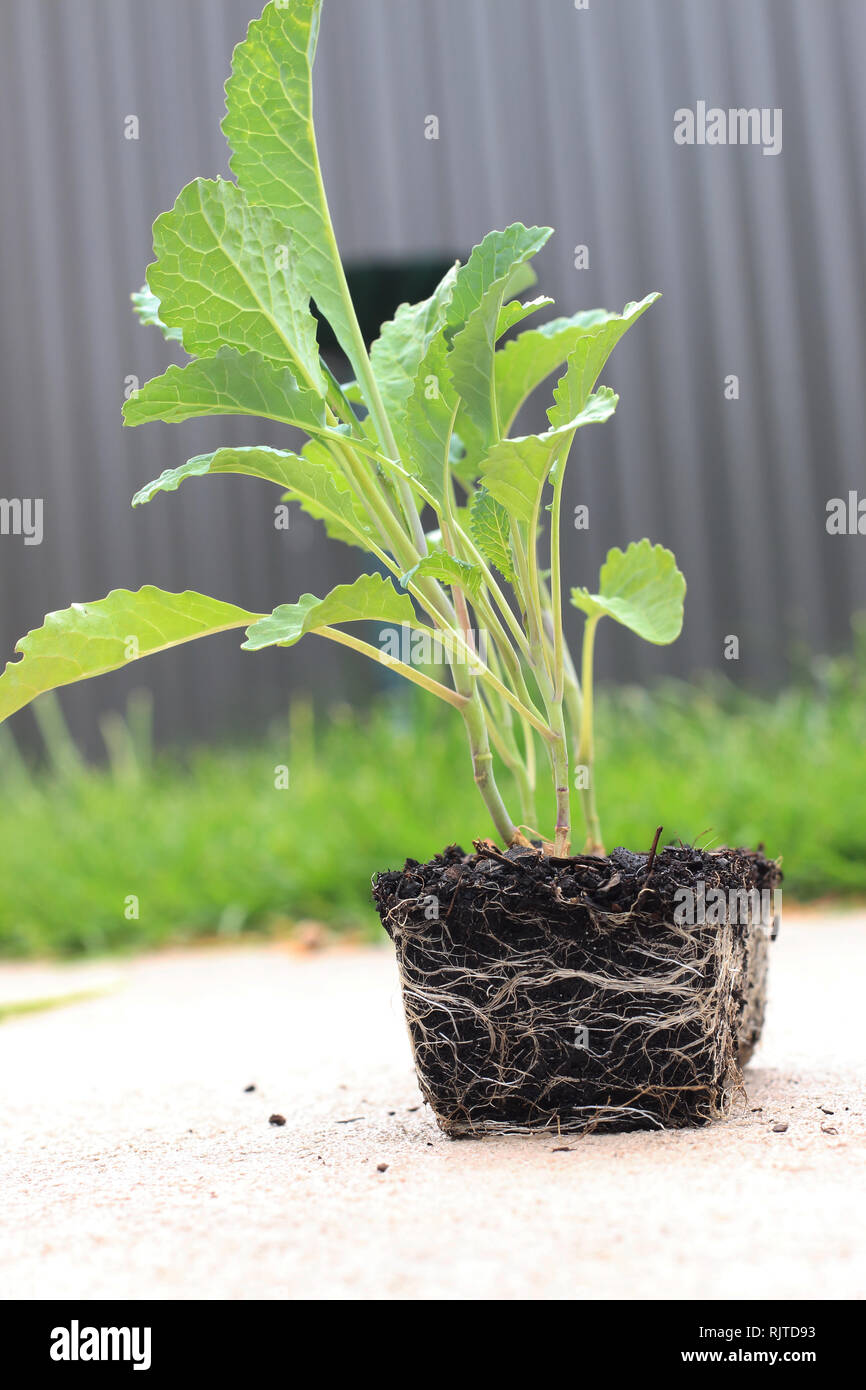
(381, 1167)
(779, 1129)
(276, 1119)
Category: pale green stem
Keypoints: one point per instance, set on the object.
(471, 552)
(467, 660)
(392, 664)
(503, 742)
(557, 745)
(571, 691)
(586, 746)
(532, 613)
(482, 767)
(556, 579)
(500, 723)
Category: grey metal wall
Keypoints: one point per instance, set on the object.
(547, 114)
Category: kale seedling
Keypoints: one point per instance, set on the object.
(413, 462)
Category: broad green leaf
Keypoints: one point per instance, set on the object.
(226, 275)
(429, 414)
(474, 313)
(469, 448)
(400, 349)
(439, 564)
(522, 277)
(231, 383)
(269, 126)
(587, 358)
(146, 307)
(425, 429)
(523, 364)
(370, 599)
(515, 312)
(490, 529)
(90, 639)
(641, 588)
(310, 478)
(498, 262)
(516, 470)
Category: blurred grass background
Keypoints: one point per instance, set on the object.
(210, 848)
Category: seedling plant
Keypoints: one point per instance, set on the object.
(416, 462)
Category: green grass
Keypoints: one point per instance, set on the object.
(54, 1001)
(209, 846)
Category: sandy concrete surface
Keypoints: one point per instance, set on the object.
(134, 1163)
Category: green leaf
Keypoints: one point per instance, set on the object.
(439, 564)
(310, 478)
(269, 126)
(146, 307)
(226, 275)
(515, 312)
(516, 470)
(586, 361)
(231, 383)
(474, 313)
(522, 277)
(642, 589)
(90, 639)
(400, 349)
(490, 529)
(370, 599)
(498, 262)
(474, 308)
(429, 414)
(523, 364)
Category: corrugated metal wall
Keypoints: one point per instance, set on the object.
(547, 113)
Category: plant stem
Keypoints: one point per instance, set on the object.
(533, 586)
(586, 746)
(559, 761)
(556, 576)
(471, 552)
(482, 768)
(469, 664)
(504, 743)
(392, 664)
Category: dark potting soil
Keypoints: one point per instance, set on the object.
(571, 993)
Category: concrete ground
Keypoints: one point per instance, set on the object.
(135, 1164)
